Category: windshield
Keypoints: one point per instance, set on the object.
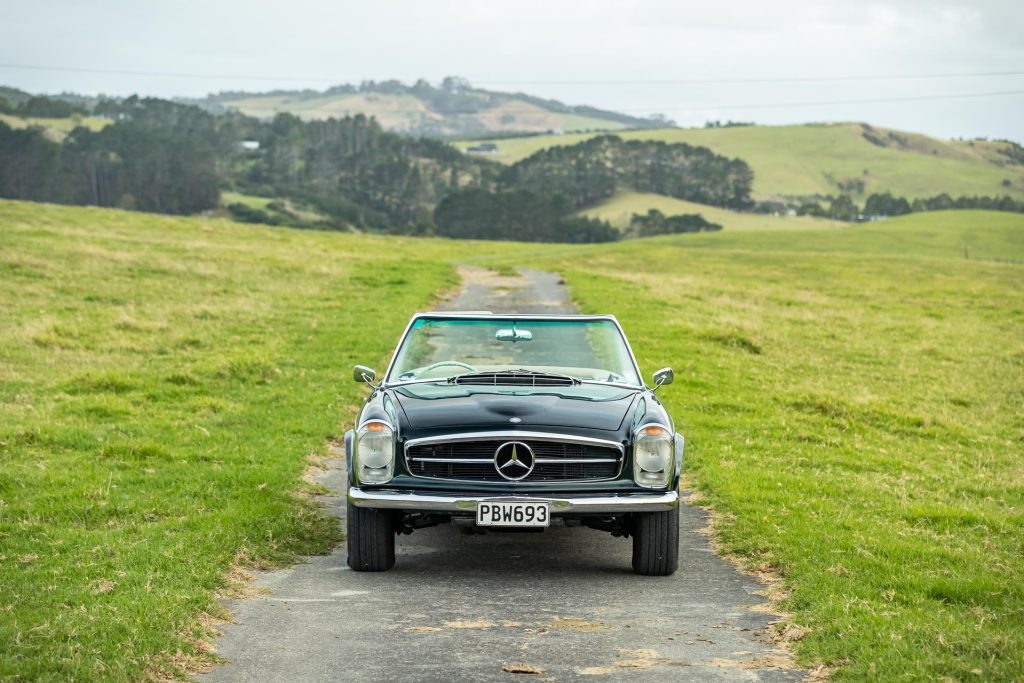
(583, 349)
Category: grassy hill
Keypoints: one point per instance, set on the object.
(851, 399)
(406, 113)
(823, 159)
(453, 109)
(619, 209)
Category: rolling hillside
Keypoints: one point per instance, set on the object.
(828, 159)
(619, 209)
(453, 109)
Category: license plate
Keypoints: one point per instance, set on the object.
(512, 514)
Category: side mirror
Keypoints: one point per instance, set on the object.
(663, 376)
(361, 373)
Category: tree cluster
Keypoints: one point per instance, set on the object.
(943, 202)
(885, 204)
(351, 169)
(728, 124)
(1012, 151)
(595, 169)
(40, 107)
(131, 166)
(169, 157)
(536, 198)
(517, 215)
(654, 222)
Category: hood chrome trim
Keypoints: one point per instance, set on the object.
(448, 381)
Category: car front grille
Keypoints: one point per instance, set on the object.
(474, 460)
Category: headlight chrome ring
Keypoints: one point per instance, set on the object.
(375, 452)
(653, 450)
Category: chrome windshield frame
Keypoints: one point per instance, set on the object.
(447, 382)
(518, 317)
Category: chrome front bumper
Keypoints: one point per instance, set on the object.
(610, 503)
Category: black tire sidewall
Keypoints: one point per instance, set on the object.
(370, 539)
(656, 543)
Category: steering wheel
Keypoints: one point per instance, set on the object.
(442, 363)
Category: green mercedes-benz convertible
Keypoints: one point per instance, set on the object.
(513, 421)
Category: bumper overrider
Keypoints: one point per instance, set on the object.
(567, 504)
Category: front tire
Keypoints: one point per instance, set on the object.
(656, 543)
(371, 539)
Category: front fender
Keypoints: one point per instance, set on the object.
(680, 446)
(350, 438)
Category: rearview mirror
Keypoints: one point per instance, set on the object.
(513, 335)
(361, 373)
(663, 376)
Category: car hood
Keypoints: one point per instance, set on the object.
(425, 409)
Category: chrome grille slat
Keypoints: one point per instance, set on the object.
(574, 461)
(466, 459)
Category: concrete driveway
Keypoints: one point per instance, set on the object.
(558, 605)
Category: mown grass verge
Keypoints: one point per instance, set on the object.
(163, 383)
(856, 422)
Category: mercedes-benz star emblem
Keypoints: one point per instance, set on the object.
(514, 460)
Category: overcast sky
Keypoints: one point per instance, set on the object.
(639, 56)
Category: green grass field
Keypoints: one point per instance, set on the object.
(852, 400)
(620, 208)
(951, 235)
(163, 385)
(812, 159)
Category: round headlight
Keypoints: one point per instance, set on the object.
(652, 456)
(375, 452)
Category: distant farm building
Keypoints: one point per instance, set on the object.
(249, 145)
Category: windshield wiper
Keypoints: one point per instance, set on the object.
(520, 377)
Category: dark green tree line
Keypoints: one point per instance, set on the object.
(654, 222)
(597, 168)
(883, 204)
(168, 157)
(517, 215)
